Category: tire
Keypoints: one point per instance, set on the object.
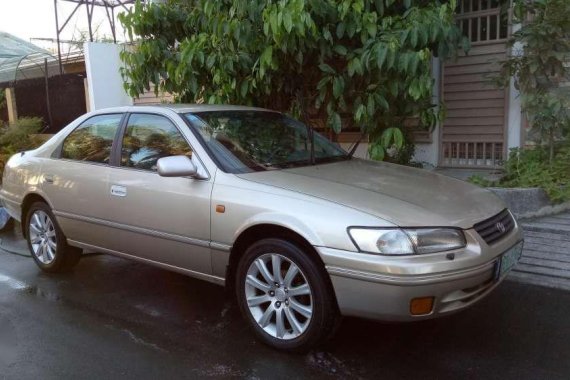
(298, 314)
(46, 241)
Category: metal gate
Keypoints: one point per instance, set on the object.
(474, 132)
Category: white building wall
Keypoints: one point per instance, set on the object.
(104, 81)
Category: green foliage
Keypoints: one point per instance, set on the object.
(19, 136)
(541, 49)
(531, 168)
(350, 62)
(481, 181)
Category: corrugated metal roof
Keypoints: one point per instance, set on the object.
(19, 58)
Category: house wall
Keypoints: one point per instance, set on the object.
(149, 98)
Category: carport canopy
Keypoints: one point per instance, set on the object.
(23, 60)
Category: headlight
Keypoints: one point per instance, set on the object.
(408, 241)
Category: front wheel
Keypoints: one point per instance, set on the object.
(46, 241)
(285, 296)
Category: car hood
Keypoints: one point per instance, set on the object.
(403, 195)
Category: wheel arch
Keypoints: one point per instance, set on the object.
(28, 200)
(261, 231)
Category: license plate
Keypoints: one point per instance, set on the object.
(508, 260)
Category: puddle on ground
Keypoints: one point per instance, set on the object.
(328, 363)
(27, 288)
(12, 282)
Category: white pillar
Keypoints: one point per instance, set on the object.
(514, 118)
(429, 152)
(105, 84)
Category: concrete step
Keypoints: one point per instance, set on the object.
(556, 220)
(546, 236)
(540, 280)
(546, 256)
(542, 270)
(561, 216)
(553, 228)
(546, 263)
(548, 248)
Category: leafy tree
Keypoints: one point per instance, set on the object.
(349, 62)
(539, 65)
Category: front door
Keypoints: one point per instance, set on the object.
(161, 219)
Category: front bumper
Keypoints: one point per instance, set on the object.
(381, 287)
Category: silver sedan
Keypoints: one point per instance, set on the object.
(251, 199)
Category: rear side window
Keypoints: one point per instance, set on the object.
(148, 138)
(92, 141)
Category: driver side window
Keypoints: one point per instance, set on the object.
(148, 138)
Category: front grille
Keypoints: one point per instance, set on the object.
(496, 227)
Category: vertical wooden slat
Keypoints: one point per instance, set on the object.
(457, 153)
(477, 154)
(488, 28)
(493, 154)
(470, 21)
(498, 26)
(484, 154)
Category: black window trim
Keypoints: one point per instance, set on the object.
(116, 153)
(57, 153)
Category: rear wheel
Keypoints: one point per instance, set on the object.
(46, 241)
(285, 295)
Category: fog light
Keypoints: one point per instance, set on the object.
(421, 305)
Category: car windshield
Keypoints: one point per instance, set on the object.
(246, 141)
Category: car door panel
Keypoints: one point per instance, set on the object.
(162, 219)
(165, 220)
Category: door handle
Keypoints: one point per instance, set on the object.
(48, 178)
(119, 191)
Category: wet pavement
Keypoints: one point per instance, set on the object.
(115, 318)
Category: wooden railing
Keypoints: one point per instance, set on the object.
(472, 154)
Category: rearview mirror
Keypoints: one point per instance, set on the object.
(176, 166)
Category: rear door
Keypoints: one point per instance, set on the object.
(76, 180)
(165, 220)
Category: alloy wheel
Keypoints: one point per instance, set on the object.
(42, 237)
(278, 296)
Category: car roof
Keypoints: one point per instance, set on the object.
(184, 108)
(178, 108)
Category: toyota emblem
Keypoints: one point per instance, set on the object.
(501, 227)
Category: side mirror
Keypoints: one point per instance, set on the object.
(176, 166)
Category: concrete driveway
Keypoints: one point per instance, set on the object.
(114, 318)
